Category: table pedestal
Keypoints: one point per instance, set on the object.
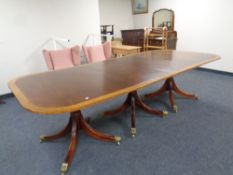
(132, 101)
(75, 124)
(171, 86)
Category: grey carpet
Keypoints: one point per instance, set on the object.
(198, 140)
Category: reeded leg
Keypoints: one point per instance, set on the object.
(138, 103)
(60, 134)
(133, 119)
(96, 134)
(73, 144)
(182, 93)
(131, 101)
(76, 123)
(158, 92)
(148, 109)
(172, 101)
(121, 108)
(171, 86)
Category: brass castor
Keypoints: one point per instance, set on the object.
(175, 108)
(64, 168)
(133, 132)
(118, 140)
(165, 113)
(42, 138)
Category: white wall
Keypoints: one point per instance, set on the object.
(25, 25)
(202, 25)
(117, 12)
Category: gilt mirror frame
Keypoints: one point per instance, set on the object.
(170, 23)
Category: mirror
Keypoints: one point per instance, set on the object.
(163, 17)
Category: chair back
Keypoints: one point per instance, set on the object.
(64, 58)
(107, 50)
(98, 53)
(155, 38)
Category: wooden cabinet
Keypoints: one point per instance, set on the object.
(135, 37)
(172, 40)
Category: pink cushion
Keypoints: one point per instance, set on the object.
(48, 59)
(85, 50)
(95, 53)
(61, 58)
(75, 51)
(107, 50)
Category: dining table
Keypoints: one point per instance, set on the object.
(71, 90)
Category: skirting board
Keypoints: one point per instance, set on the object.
(214, 71)
(8, 95)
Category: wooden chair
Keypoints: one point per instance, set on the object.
(155, 38)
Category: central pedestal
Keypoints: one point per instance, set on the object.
(170, 87)
(132, 101)
(75, 124)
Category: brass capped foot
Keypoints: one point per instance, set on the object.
(42, 138)
(64, 168)
(133, 132)
(165, 113)
(118, 140)
(175, 108)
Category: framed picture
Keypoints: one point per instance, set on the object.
(139, 6)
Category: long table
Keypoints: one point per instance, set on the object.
(73, 89)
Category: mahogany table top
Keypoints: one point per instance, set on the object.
(72, 89)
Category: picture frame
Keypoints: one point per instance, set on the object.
(139, 6)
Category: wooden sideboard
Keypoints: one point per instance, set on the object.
(135, 37)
